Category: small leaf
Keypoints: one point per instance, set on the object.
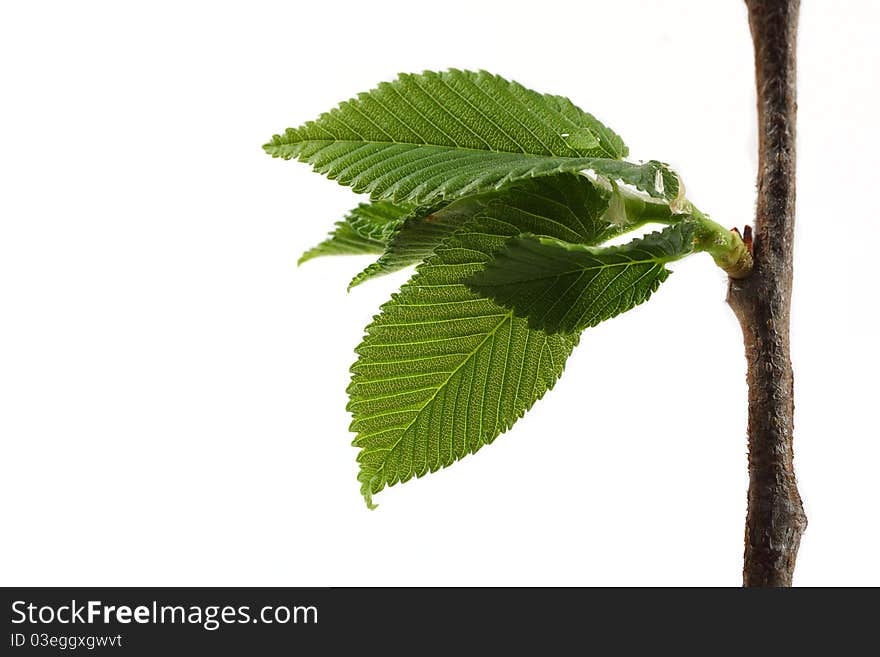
(443, 371)
(417, 236)
(567, 287)
(427, 138)
(366, 229)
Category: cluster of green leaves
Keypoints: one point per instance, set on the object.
(503, 198)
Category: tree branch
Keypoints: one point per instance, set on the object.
(775, 520)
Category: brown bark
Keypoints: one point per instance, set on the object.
(775, 519)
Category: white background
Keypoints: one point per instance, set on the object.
(172, 386)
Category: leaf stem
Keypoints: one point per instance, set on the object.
(645, 209)
(725, 246)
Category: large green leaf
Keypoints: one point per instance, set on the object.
(443, 371)
(425, 138)
(366, 229)
(567, 287)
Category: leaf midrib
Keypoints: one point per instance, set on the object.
(581, 270)
(443, 146)
(404, 429)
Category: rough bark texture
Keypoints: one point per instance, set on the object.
(775, 518)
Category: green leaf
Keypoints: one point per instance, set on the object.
(366, 229)
(438, 136)
(443, 371)
(567, 287)
(417, 236)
